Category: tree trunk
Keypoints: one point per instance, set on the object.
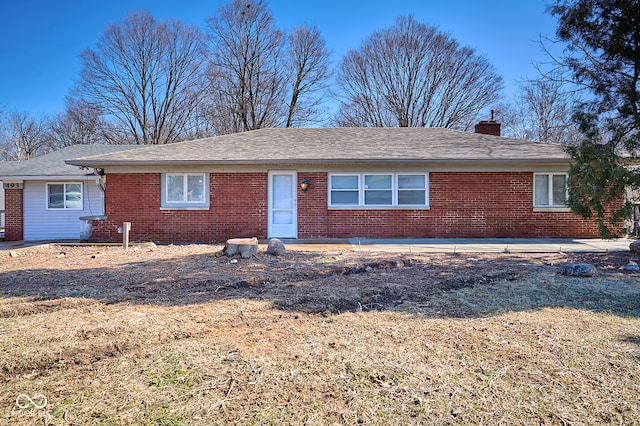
(246, 247)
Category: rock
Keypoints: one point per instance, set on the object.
(579, 270)
(635, 246)
(631, 266)
(276, 247)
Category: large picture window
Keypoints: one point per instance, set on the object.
(64, 196)
(184, 190)
(378, 190)
(550, 190)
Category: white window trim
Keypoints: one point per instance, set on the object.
(165, 204)
(394, 192)
(550, 207)
(65, 208)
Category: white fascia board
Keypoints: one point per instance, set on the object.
(46, 178)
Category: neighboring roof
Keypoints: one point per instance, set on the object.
(334, 146)
(53, 164)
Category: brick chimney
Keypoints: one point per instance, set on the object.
(489, 127)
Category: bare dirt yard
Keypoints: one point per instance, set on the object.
(174, 335)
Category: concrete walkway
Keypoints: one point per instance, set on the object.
(421, 245)
(466, 245)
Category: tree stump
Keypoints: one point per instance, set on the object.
(246, 247)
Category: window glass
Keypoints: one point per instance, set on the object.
(175, 188)
(344, 182)
(282, 194)
(64, 196)
(415, 197)
(411, 181)
(73, 196)
(541, 190)
(378, 197)
(344, 197)
(195, 188)
(56, 196)
(559, 190)
(282, 217)
(377, 182)
(378, 190)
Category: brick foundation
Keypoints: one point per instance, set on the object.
(462, 205)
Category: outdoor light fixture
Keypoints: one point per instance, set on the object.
(304, 184)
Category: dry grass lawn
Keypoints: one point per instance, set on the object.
(177, 335)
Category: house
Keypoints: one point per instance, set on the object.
(1, 209)
(337, 183)
(44, 198)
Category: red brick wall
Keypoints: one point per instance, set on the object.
(13, 224)
(238, 209)
(465, 204)
(462, 205)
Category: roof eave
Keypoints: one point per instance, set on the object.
(111, 163)
(47, 177)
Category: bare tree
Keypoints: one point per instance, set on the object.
(25, 137)
(309, 61)
(260, 77)
(543, 111)
(80, 123)
(412, 75)
(248, 66)
(146, 77)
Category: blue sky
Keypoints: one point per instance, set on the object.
(40, 40)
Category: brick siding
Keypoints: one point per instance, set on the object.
(462, 204)
(13, 215)
(238, 209)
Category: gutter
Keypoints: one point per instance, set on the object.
(107, 163)
(47, 177)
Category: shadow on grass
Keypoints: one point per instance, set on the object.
(445, 285)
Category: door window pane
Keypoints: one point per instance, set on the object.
(282, 218)
(282, 192)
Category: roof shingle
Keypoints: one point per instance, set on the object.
(336, 145)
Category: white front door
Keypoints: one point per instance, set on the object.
(283, 202)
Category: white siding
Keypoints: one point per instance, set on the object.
(43, 224)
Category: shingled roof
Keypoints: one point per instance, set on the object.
(53, 164)
(336, 146)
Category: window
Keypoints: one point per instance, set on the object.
(62, 196)
(550, 190)
(184, 190)
(378, 190)
(412, 190)
(344, 190)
